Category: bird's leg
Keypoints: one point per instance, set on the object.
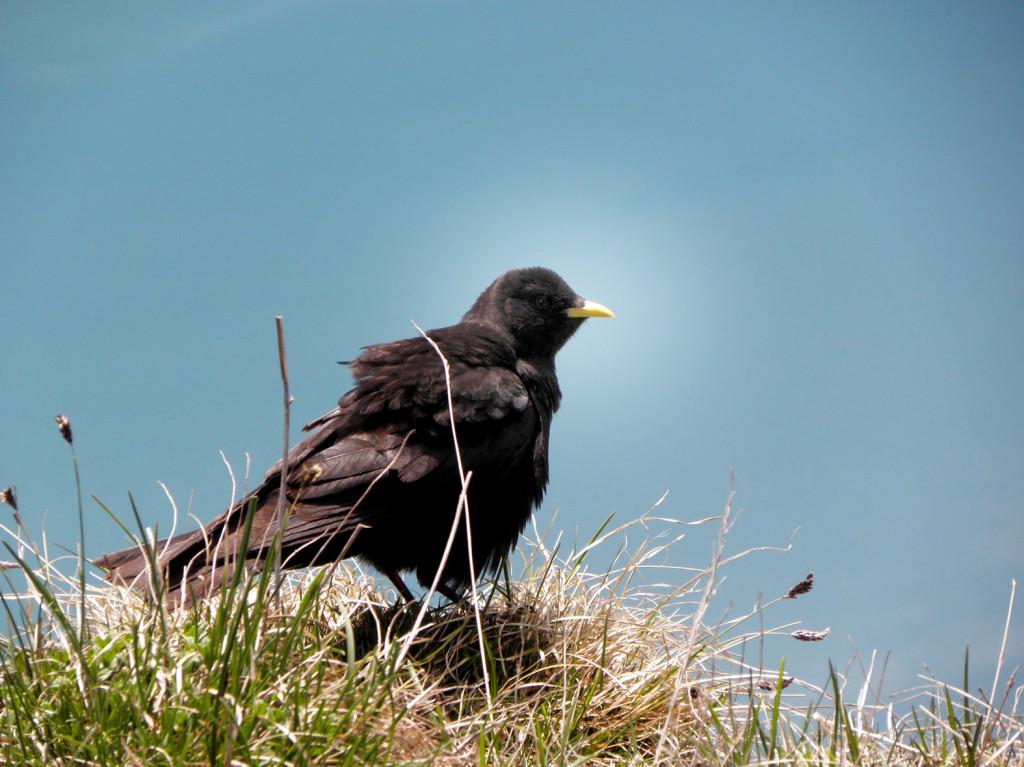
(447, 591)
(396, 579)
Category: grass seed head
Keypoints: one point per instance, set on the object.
(802, 587)
(811, 636)
(65, 427)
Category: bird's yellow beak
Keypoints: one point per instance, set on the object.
(590, 309)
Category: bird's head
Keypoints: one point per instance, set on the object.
(536, 308)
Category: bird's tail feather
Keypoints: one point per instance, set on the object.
(199, 563)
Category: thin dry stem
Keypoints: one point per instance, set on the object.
(281, 497)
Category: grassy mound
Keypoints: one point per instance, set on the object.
(560, 667)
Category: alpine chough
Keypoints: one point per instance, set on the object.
(378, 478)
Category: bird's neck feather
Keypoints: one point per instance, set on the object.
(539, 377)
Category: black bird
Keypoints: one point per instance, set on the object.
(377, 478)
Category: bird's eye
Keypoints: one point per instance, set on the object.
(543, 302)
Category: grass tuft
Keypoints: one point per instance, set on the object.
(560, 665)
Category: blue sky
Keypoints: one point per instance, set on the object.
(807, 218)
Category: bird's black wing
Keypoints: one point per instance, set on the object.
(394, 428)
